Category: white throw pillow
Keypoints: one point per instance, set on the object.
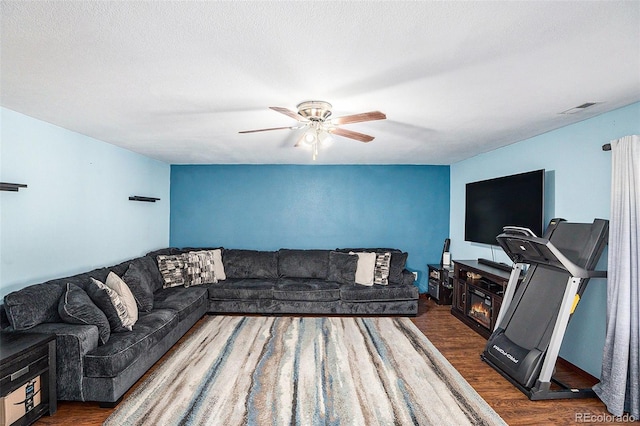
(218, 266)
(365, 269)
(116, 284)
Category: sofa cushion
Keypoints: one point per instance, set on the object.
(342, 268)
(83, 279)
(303, 263)
(164, 251)
(124, 348)
(396, 266)
(76, 307)
(306, 290)
(110, 303)
(391, 292)
(180, 299)
(140, 283)
(242, 289)
(33, 305)
(250, 264)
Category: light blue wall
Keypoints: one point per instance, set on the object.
(268, 207)
(578, 189)
(75, 214)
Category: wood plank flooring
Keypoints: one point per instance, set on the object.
(461, 346)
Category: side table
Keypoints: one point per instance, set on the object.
(27, 377)
(440, 283)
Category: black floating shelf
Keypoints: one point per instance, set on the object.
(13, 187)
(147, 199)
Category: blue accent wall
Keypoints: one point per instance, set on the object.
(75, 214)
(577, 188)
(267, 207)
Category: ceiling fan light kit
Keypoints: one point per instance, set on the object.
(314, 115)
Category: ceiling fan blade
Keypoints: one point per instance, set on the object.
(289, 113)
(357, 118)
(300, 141)
(351, 134)
(272, 128)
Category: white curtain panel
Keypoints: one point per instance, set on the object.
(619, 387)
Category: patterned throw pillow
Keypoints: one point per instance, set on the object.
(172, 269)
(199, 268)
(381, 272)
(110, 303)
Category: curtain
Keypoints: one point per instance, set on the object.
(619, 386)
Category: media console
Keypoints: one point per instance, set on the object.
(478, 289)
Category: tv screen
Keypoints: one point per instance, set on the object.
(516, 200)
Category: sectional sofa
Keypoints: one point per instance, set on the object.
(98, 362)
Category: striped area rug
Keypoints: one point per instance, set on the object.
(305, 371)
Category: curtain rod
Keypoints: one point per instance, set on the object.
(606, 147)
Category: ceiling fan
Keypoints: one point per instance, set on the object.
(314, 115)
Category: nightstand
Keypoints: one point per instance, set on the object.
(27, 377)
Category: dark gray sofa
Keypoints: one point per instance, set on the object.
(299, 282)
(257, 282)
(87, 371)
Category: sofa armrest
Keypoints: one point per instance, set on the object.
(407, 277)
(73, 342)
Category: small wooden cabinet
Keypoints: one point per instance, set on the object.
(440, 283)
(27, 377)
(477, 294)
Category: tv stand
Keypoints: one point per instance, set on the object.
(477, 294)
(493, 264)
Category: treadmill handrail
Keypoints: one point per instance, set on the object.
(560, 258)
(519, 229)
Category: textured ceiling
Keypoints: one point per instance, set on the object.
(176, 81)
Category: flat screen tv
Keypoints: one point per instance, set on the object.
(515, 200)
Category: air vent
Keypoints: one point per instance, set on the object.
(579, 108)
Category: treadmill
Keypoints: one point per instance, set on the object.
(535, 313)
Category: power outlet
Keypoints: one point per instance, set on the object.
(415, 275)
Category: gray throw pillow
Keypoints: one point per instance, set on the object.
(76, 307)
(110, 303)
(342, 268)
(140, 284)
(398, 262)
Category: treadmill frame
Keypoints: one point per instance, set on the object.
(541, 390)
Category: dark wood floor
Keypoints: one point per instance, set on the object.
(462, 347)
